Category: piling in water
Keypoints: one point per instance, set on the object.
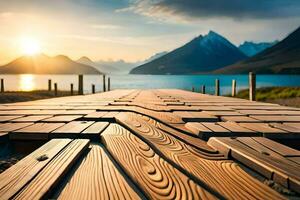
(108, 84)
(80, 84)
(93, 89)
(203, 89)
(2, 85)
(233, 91)
(217, 91)
(72, 89)
(55, 89)
(49, 85)
(252, 86)
(104, 83)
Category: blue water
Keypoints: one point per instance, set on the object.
(186, 82)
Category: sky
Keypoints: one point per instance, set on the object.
(134, 30)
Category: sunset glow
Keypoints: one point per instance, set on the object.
(30, 46)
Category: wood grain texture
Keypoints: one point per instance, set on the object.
(201, 145)
(235, 182)
(156, 177)
(97, 178)
(41, 186)
(16, 177)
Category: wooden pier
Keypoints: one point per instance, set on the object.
(152, 144)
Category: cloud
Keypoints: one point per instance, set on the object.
(235, 9)
(105, 26)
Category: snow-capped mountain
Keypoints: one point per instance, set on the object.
(202, 54)
(252, 48)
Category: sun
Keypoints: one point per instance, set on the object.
(30, 46)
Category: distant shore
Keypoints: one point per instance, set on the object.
(287, 96)
(21, 96)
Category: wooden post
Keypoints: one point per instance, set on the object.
(108, 84)
(2, 85)
(80, 84)
(193, 89)
(55, 89)
(252, 86)
(49, 85)
(93, 89)
(104, 84)
(217, 91)
(203, 89)
(72, 89)
(233, 91)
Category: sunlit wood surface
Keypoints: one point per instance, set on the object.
(152, 144)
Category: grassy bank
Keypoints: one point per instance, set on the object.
(11, 97)
(289, 96)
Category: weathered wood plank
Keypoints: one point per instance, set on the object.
(32, 118)
(9, 117)
(7, 127)
(276, 118)
(239, 119)
(189, 116)
(259, 158)
(17, 176)
(37, 131)
(192, 162)
(62, 118)
(156, 177)
(97, 177)
(42, 185)
(71, 129)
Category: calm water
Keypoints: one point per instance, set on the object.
(28, 82)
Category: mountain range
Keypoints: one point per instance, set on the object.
(201, 55)
(282, 58)
(43, 64)
(253, 48)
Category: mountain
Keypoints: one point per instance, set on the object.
(282, 58)
(201, 55)
(252, 48)
(119, 66)
(107, 69)
(42, 64)
(155, 56)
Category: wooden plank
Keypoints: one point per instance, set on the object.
(97, 177)
(9, 117)
(20, 174)
(191, 161)
(7, 127)
(235, 128)
(195, 116)
(42, 185)
(285, 127)
(156, 177)
(268, 131)
(32, 118)
(270, 112)
(37, 131)
(277, 147)
(296, 125)
(62, 118)
(95, 115)
(255, 156)
(276, 118)
(216, 129)
(239, 119)
(197, 128)
(95, 130)
(224, 113)
(77, 112)
(71, 129)
(110, 116)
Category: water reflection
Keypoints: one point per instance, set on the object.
(27, 82)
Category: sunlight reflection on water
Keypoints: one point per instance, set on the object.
(26, 82)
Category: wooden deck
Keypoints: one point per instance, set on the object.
(152, 144)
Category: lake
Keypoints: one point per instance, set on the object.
(27, 82)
